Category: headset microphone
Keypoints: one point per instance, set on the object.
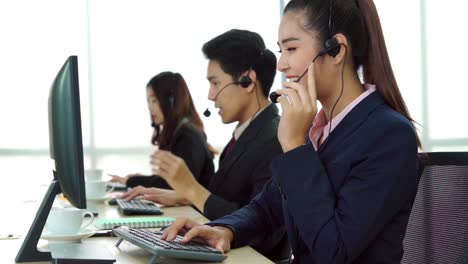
(244, 82)
(207, 112)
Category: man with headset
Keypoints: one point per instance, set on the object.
(240, 72)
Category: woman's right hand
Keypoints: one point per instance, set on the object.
(135, 192)
(299, 105)
(218, 237)
(123, 180)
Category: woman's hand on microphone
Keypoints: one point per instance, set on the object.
(299, 106)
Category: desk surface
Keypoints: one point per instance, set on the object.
(126, 253)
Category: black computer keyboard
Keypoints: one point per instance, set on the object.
(138, 207)
(152, 242)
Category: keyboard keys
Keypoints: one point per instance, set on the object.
(151, 241)
(138, 207)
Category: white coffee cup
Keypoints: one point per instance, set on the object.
(67, 221)
(96, 189)
(93, 174)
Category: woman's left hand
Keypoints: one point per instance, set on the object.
(299, 110)
(174, 170)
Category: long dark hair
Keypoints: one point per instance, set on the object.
(176, 105)
(359, 21)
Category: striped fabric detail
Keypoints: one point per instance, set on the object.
(437, 231)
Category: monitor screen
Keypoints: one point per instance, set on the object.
(66, 147)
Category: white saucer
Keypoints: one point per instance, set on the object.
(99, 199)
(82, 234)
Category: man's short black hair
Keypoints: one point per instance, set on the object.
(237, 50)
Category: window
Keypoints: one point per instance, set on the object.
(118, 52)
(421, 39)
(446, 69)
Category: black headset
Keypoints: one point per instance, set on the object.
(172, 92)
(244, 81)
(332, 48)
(171, 99)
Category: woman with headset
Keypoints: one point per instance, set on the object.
(178, 129)
(345, 182)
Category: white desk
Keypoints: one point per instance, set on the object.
(126, 253)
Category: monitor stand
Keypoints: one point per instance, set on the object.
(28, 251)
(80, 253)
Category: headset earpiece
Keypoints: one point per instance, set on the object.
(332, 47)
(171, 101)
(171, 96)
(245, 81)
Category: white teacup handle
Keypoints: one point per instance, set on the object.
(111, 189)
(91, 220)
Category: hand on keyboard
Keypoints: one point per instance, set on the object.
(218, 237)
(157, 195)
(134, 193)
(152, 242)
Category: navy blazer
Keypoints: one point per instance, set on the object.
(348, 202)
(243, 173)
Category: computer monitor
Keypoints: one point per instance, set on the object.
(66, 149)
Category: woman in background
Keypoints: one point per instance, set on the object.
(178, 129)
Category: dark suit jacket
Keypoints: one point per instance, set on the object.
(244, 171)
(190, 145)
(348, 202)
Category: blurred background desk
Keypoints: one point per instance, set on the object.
(18, 215)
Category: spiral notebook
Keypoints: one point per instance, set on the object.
(134, 222)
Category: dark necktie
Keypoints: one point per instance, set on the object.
(228, 147)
